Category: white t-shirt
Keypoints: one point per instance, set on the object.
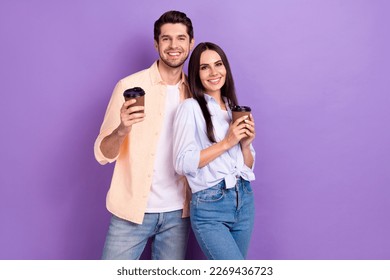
(167, 191)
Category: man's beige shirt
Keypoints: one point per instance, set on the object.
(132, 178)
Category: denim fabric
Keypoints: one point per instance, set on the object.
(169, 232)
(222, 220)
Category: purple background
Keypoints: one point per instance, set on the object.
(315, 72)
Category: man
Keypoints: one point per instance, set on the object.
(146, 197)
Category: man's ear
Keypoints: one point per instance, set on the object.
(156, 45)
(192, 43)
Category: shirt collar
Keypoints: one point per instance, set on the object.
(214, 106)
(156, 77)
(209, 98)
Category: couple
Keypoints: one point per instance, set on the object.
(149, 196)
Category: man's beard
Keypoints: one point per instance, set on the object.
(174, 64)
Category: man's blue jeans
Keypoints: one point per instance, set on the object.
(222, 220)
(169, 232)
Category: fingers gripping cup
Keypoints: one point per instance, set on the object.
(136, 93)
(240, 111)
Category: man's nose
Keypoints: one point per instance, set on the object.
(173, 43)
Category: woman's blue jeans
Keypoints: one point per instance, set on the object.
(222, 220)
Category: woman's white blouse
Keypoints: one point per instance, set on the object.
(190, 137)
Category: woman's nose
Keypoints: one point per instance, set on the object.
(213, 72)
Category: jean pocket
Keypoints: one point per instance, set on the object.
(211, 194)
(247, 187)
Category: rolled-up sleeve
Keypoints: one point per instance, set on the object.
(246, 172)
(110, 123)
(186, 152)
(254, 157)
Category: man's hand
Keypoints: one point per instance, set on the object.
(129, 116)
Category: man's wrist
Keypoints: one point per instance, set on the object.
(121, 132)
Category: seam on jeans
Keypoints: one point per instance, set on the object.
(156, 231)
(205, 245)
(212, 201)
(221, 189)
(201, 236)
(158, 226)
(153, 254)
(246, 185)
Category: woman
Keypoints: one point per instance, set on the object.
(216, 156)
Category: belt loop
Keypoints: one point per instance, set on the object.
(237, 182)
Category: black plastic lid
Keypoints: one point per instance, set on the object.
(241, 108)
(134, 92)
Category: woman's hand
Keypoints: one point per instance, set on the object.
(237, 131)
(249, 132)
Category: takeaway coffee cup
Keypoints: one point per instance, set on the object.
(240, 111)
(136, 93)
